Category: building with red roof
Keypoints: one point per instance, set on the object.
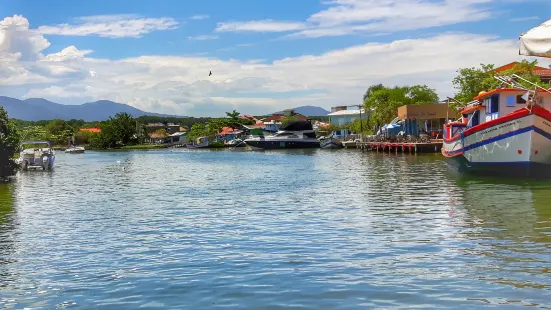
(544, 73)
(95, 130)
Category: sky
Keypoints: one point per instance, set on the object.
(264, 55)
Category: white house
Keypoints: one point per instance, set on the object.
(341, 115)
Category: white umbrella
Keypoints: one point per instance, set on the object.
(537, 41)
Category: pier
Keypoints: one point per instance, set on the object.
(433, 146)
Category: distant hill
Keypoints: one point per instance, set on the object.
(309, 110)
(36, 109)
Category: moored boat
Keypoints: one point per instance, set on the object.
(75, 150)
(506, 130)
(293, 135)
(331, 143)
(204, 142)
(36, 155)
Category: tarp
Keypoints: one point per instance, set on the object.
(297, 126)
(537, 41)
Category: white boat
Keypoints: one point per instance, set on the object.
(293, 135)
(75, 150)
(507, 130)
(37, 154)
(334, 141)
(331, 143)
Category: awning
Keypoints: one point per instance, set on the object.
(537, 41)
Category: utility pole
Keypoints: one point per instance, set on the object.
(361, 123)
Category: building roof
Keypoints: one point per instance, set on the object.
(543, 72)
(155, 135)
(90, 129)
(226, 131)
(510, 66)
(501, 90)
(346, 112)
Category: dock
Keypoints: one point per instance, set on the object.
(433, 146)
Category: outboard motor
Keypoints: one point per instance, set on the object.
(46, 162)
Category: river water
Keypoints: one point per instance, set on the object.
(312, 229)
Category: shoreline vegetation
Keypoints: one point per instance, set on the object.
(124, 132)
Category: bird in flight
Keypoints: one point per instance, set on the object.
(210, 73)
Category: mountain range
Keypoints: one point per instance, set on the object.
(37, 109)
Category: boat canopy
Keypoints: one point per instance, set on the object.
(297, 126)
(537, 41)
(37, 142)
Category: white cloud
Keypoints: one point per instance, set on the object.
(267, 25)
(17, 39)
(199, 17)
(182, 85)
(203, 37)
(111, 26)
(345, 17)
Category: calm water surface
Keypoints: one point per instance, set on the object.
(302, 230)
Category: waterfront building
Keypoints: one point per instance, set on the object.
(425, 118)
(341, 115)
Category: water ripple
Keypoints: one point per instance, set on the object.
(301, 230)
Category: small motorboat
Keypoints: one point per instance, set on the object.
(36, 154)
(236, 143)
(331, 143)
(203, 143)
(75, 150)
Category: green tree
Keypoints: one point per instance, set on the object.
(124, 126)
(233, 120)
(289, 119)
(57, 126)
(60, 131)
(383, 103)
(161, 132)
(197, 130)
(9, 145)
(471, 81)
(371, 89)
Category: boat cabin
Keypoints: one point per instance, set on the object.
(494, 104)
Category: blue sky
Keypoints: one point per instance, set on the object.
(265, 55)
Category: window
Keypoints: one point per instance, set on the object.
(511, 100)
(475, 119)
(520, 100)
(492, 104)
(283, 134)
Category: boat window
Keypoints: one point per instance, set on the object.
(511, 101)
(310, 134)
(492, 104)
(476, 118)
(283, 134)
(520, 100)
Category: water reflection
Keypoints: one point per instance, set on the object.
(308, 229)
(510, 223)
(7, 230)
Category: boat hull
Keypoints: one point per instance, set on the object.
(516, 144)
(273, 145)
(331, 144)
